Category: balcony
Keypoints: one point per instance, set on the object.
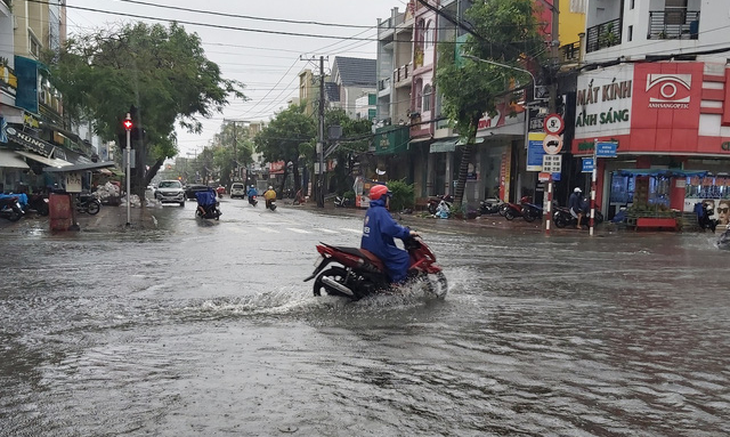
(402, 75)
(604, 35)
(383, 84)
(570, 53)
(674, 24)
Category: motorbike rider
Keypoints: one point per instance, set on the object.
(575, 204)
(269, 196)
(378, 232)
(251, 193)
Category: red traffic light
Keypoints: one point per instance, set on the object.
(127, 124)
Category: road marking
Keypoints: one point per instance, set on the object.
(268, 230)
(299, 231)
(327, 231)
(354, 231)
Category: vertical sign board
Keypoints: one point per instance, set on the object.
(535, 151)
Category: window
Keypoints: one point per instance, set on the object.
(428, 34)
(630, 36)
(35, 45)
(427, 98)
(418, 97)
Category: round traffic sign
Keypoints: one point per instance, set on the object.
(552, 144)
(554, 124)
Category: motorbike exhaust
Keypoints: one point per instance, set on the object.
(337, 286)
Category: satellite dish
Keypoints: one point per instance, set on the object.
(379, 171)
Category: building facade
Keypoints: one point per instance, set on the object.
(664, 103)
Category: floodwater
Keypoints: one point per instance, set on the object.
(205, 328)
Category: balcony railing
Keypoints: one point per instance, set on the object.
(604, 35)
(383, 84)
(402, 73)
(674, 24)
(570, 52)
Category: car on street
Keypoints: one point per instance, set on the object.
(191, 189)
(170, 191)
(238, 189)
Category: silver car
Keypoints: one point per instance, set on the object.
(171, 191)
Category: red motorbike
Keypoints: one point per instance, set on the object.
(511, 210)
(355, 273)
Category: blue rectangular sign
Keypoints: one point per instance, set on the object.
(606, 150)
(587, 165)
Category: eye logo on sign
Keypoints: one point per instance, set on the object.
(670, 91)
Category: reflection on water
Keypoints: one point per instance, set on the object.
(204, 330)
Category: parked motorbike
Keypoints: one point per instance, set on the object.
(435, 201)
(37, 203)
(10, 208)
(87, 203)
(531, 212)
(563, 218)
(490, 206)
(705, 211)
(511, 210)
(355, 273)
(252, 200)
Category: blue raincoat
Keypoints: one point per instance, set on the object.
(378, 232)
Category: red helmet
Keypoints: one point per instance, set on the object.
(378, 191)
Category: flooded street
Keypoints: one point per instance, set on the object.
(206, 328)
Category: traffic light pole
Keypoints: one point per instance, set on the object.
(128, 128)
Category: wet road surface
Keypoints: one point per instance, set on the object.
(206, 328)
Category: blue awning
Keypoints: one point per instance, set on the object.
(660, 172)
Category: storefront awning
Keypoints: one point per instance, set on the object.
(449, 144)
(659, 172)
(9, 159)
(50, 162)
(81, 167)
(443, 146)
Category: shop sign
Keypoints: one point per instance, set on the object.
(725, 146)
(8, 80)
(603, 101)
(32, 144)
(73, 182)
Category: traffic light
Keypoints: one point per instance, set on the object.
(127, 124)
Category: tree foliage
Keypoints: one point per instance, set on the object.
(161, 71)
(286, 138)
(507, 33)
(356, 137)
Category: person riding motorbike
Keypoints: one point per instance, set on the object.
(575, 204)
(379, 229)
(269, 196)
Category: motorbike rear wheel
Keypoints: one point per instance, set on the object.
(93, 207)
(338, 274)
(509, 214)
(529, 215)
(561, 221)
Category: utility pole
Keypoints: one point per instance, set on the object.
(320, 137)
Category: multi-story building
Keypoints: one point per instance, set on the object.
(499, 166)
(657, 83)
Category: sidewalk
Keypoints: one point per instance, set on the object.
(491, 221)
(109, 218)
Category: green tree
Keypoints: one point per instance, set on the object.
(160, 74)
(507, 33)
(234, 145)
(287, 137)
(355, 139)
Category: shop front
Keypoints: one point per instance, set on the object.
(670, 122)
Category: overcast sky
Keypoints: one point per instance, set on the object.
(267, 63)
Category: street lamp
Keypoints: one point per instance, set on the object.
(487, 61)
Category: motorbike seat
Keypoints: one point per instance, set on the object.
(361, 253)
